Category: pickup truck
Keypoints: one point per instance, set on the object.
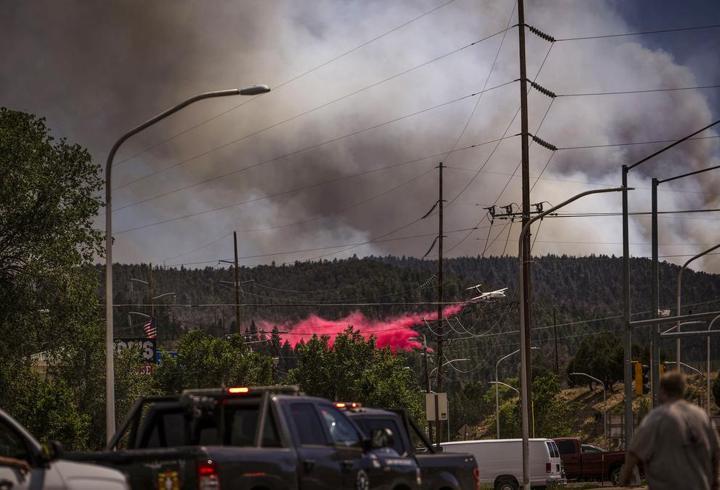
(588, 462)
(255, 438)
(440, 471)
(24, 464)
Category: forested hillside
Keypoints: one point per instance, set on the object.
(572, 289)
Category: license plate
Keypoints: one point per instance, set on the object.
(168, 480)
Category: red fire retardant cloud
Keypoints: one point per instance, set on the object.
(395, 333)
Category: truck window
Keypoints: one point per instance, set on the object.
(340, 428)
(587, 448)
(166, 429)
(308, 424)
(566, 446)
(368, 425)
(241, 423)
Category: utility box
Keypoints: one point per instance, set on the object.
(442, 406)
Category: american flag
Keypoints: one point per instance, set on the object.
(150, 330)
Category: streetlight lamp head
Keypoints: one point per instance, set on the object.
(255, 90)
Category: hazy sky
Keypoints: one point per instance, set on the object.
(368, 97)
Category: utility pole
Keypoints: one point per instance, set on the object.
(557, 364)
(526, 244)
(438, 383)
(655, 302)
(150, 294)
(427, 382)
(628, 420)
(237, 284)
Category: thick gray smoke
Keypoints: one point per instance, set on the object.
(97, 69)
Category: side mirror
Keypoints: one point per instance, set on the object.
(55, 451)
(381, 438)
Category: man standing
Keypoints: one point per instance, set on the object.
(676, 443)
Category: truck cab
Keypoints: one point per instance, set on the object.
(446, 471)
(252, 437)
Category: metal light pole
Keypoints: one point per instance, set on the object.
(707, 376)
(655, 334)
(525, 329)
(604, 399)
(497, 395)
(627, 320)
(679, 296)
(696, 370)
(109, 365)
(532, 403)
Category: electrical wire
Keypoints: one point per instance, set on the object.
(641, 91)
(537, 74)
(301, 188)
(487, 80)
(306, 148)
(631, 143)
(276, 87)
(314, 249)
(639, 33)
(304, 113)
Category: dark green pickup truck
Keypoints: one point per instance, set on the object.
(261, 438)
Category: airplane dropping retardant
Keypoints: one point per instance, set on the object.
(487, 295)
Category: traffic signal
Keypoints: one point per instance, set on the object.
(641, 378)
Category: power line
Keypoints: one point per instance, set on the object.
(328, 247)
(537, 74)
(640, 33)
(631, 143)
(305, 113)
(640, 91)
(487, 79)
(276, 87)
(302, 188)
(308, 148)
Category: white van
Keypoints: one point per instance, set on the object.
(500, 461)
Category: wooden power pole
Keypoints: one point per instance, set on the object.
(237, 285)
(439, 356)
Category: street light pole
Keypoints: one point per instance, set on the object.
(109, 363)
(497, 396)
(532, 404)
(627, 321)
(525, 328)
(707, 376)
(604, 399)
(679, 296)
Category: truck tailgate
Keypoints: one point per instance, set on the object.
(447, 470)
(172, 468)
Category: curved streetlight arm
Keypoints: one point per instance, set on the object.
(163, 295)
(688, 366)
(500, 383)
(679, 294)
(144, 315)
(109, 362)
(588, 376)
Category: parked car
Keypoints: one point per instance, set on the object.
(440, 471)
(24, 464)
(500, 461)
(267, 438)
(588, 462)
